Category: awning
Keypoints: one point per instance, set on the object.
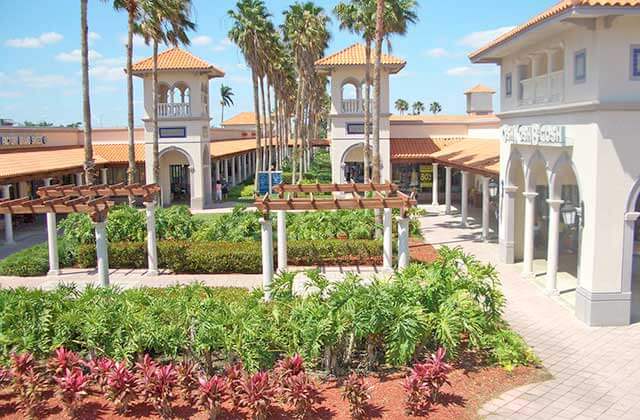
(419, 149)
(475, 155)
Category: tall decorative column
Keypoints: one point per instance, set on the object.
(217, 170)
(553, 246)
(507, 229)
(52, 239)
(152, 247)
(485, 209)
(232, 161)
(282, 240)
(104, 172)
(403, 242)
(102, 252)
(387, 240)
(266, 232)
(447, 190)
(225, 166)
(529, 219)
(434, 185)
(8, 219)
(464, 205)
(80, 178)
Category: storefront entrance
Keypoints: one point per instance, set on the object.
(179, 181)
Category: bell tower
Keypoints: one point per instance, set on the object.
(183, 126)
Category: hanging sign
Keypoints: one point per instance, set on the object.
(535, 135)
(267, 180)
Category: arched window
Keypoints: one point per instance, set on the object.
(182, 93)
(164, 93)
(349, 91)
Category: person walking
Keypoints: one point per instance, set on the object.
(218, 190)
(225, 190)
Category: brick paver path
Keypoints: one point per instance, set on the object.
(596, 371)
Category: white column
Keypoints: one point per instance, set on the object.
(464, 205)
(52, 242)
(485, 209)
(104, 175)
(79, 178)
(267, 257)
(553, 246)
(282, 240)
(447, 190)
(8, 219)
(529, 216)
(434, 185)
(217, 173)
(387, 240)
(232, 161)
(403, 242)
(102, 253)
(507, 229)
(152, 247)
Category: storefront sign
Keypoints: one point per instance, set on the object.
(534, 135)
(426, 176)
(17, 140)
(267, 180)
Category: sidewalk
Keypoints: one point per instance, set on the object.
(596, 370)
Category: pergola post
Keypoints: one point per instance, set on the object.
(447, 190)
(403, 242)
(387, 240)
(104, 172)
(434, 185)
(52, 239)
(529, 222)
(553, 246)
(102, 252)
(485, 209)
(152, 247)
(267, 256)
(464, 205)
(282, 240)
(8, 218)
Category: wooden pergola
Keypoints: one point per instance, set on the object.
(384, 197)
(94, 200)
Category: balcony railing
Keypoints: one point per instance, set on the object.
(547, 88)
(353, 106)
(174, 110)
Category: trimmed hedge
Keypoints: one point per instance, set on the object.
(232, 257)
(34, 261)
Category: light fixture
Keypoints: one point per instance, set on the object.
(493, 189)
(569, 213)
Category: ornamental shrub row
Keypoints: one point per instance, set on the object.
(231, 257)
(34, 261)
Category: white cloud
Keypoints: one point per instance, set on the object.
(32, 79)
(437, 53)
(138, 41)
(222, 45)
(75, 56)
(478, 39)
(240, 79)
(115, 61)
(107, 73)
(465, 71)
(202, 40)
(94, 36)
(34, 42)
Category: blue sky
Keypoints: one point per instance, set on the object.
(40, 66)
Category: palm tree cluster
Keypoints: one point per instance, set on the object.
(281, 62)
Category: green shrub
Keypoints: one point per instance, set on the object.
(508, 349)
(238, 226)
(221, 257)
(334, 252)
(34, 261)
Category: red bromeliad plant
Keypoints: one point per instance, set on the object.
(188, 372)
(301, 393)
(235, 374)
(257, 393)
(145, 369)
(71, 390)
(5, 376)
(28, 383)
(163, 380)
(424, 382)
(289, 366)
(62, 361)
(213, 393)
(100, 370)
(357, 393)
(121, 386)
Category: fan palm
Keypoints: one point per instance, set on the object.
(226, 100)
(89, 163)
(401, 106)
(435, 108)
(163, 21)
(417, 108)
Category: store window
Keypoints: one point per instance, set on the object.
(580, 66)
(635, 62)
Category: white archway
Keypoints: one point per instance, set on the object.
(176, 175)
(631, 251)
(352, 163)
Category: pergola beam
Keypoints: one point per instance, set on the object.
(117, 190)
(334, 204)
(328, 188)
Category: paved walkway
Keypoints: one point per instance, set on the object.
(596, 370)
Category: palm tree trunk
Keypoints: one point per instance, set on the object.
(278, 148)
(269, 122)
(265, 152)
(301, 169)
(297, 130)
(86, 106)
(154, 92)
(367, 111)
(221, 113)
(376, 99)
(131, 173)
(256, 109)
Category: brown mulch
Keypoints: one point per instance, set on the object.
(468, 390)
(419, 251)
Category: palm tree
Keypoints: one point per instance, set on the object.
(89, 163)
(132, 7)
(249, 23)
(401, 106)
(417, 108)
(226, 100)
(163, 21)
(435, 108)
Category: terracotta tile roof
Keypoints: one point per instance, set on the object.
(118, 153)
(475, 155)
(354, 56)
(444, 119)
(562, 7)
(177, 59)
(415, 149)
(43, 161)
(480, 89)
(243, 118)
